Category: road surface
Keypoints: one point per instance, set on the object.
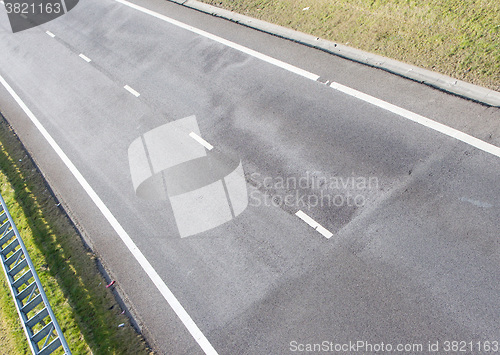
(396, 239)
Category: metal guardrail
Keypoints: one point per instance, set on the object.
(39, 323)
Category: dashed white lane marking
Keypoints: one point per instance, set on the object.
(307, 219)
(311, 222)
(50, 34)
(454, 133)
(24, 16)
(201, 141)
(225, 42)
(136, 252)
(132, 91)
(324, 232)
(85, 58)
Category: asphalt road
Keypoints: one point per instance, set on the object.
(414, 213)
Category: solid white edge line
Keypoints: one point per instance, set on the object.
(201, 141)
(141, 259)
(439, 127)
(225, 42)
(50, 34)
(132, 91)
(85, 58)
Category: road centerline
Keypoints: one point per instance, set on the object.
(201, 141)
(84, 57)
(132, 91)
(312, 223)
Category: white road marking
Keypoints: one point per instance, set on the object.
(451, 132)
(176, 306)
(85, 58)
(324, 232)
(307, 219)
(141, 259)
(132, 91)
(24, 16)
(50, 34)
(201, 141)
(311, 222)
(1, 2)
(476, 202)
(225, 42)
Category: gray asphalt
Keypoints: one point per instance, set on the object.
(416, 262)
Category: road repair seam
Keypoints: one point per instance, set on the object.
(138, 255)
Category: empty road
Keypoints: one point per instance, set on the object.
(282, 208)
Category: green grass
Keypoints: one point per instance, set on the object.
(459, 38)
(86, 311)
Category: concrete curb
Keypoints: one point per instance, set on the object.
(428, 77)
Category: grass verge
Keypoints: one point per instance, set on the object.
(87, 312)
(459, 38)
